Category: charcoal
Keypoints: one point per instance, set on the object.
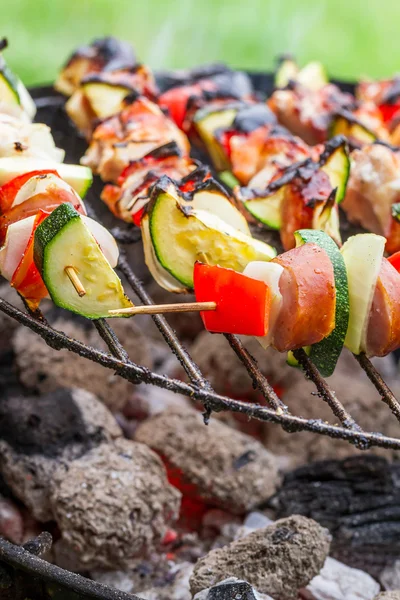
(11, 521)
(357, 499)
(277, 560)
(43, 370)
(337, 581)
(7, 324)
(113, 503)
(210, 459)
(39, 433)
(231, 589)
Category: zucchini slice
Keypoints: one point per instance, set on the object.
(63, 240)
(287, 71)
(105, 99)
(207, 121)
(362, 255)
(219, 205)
(268, 210)
(337, 167)
(325, 353)
(78, 177)
(13, 91)
(180, 235)
(350, 128)
(313, 76)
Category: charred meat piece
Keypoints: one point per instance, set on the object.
(105, 54)
(196, 88)
(128, 199)
(373, 189)
(128, 136)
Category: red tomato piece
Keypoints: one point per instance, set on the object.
(9, 190)
(27, 279)
(243, 303)
(395, 260)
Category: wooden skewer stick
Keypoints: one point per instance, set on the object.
(156, 309)
(76, 282)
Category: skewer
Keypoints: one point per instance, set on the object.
(76, 282)
(157, 309)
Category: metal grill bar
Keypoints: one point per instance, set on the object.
(386, 393)
(325, 392)
(215, 402)
(259, 381)
(167, 332)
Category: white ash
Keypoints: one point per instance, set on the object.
(43, 369)
(149, 400)
(390, 576)
(337, 581)
(227, 374)
(277, 560)
(254, 520)
(113, 503)
(231, 589)
(37, 434)
(393, 595)
(228, 468)
(165, 582)
(11, 521)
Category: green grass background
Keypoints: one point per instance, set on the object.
(351, 37)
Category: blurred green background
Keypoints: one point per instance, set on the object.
(351, 37)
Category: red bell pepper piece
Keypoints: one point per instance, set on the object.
(395, 260)
(9, 190)
(388, 111)
(243, 303)
(137, 216)
(27, 279)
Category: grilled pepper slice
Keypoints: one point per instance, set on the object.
(243, 303)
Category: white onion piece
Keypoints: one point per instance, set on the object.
(105, 240)
(42, 184)
(17, 239)
(270, 273)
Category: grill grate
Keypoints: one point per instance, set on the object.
(198, 388)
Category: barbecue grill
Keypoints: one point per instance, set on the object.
(23, 564)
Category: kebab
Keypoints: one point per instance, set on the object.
(314, 109)
(48, 243)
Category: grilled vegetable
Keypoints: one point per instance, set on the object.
(362, 255)
(13, 93)
(181, 235)
(335, 162)
(63, 240)
(312, 76)
(352, 129)
(243, 303)
(106, 54)
(270, 273)
(78, 177)
(207, 121)
(325, 353)
(26, 278)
